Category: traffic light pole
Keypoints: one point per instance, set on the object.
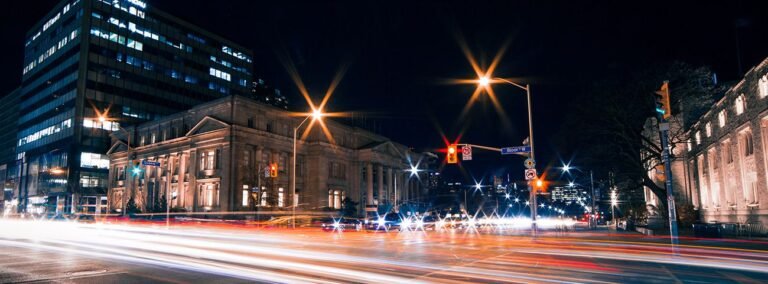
(664, 111)
(530, 140)
(664, 133)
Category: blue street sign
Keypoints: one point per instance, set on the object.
(150, 163)
(515, 150)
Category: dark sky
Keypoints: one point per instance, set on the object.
(398, 55)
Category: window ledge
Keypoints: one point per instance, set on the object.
(753, 205)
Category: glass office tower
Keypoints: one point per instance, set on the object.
(92, 66)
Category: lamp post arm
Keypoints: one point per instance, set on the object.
(526, 87)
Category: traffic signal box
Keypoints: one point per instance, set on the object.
(273, 170)
(663, 106)
(452, 157)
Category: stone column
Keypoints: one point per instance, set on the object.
(390, 187)
(369, 183)
(380, 181)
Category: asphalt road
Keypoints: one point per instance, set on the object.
(59, 252)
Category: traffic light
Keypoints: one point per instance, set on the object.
(663, 106)
(452, 157)
(273, 170)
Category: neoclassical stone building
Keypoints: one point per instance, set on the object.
(728, 153)
(215, 157)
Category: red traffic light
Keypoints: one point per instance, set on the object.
(452, 157)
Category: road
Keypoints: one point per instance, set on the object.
(65, 252)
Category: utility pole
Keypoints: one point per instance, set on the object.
(592, 217)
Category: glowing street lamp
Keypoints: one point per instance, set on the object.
(484, 81)
(316, 115)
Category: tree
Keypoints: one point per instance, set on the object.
(131, 208)
(348, 207)
(161, 206)
(607, 123)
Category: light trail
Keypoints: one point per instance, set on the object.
(415, 256)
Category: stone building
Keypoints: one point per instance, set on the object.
(683, 188)
(728, 153)
(214, 157)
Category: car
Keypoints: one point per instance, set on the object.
(340, 224)
(387, 222)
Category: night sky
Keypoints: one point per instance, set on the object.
(399, 55)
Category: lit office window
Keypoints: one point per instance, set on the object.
(94, 160)
(106, 125)
(220, 74)
(137, 45)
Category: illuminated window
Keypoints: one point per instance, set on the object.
(280, 197)
(137, 45)
(721, 118)
(762, 86)
(688, 143)
(264, 197)
(220, 74)
(740, 104)
(89, 181)
(209, 195)
(95, 123)
(698, 137)
(335, 198)
(246, 195)
(708, 129)
(94, 160)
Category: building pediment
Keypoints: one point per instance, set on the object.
(207, 124)
(118, 147)
(386, 148)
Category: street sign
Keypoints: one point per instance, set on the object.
(266, 172)
(530, 174)
(466, 153)
(516, 150)
(150, 163)
(529, 164)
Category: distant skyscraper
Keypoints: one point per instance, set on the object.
(91, 66)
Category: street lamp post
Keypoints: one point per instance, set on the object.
(485, 81)
(316, 114)
(614, 202)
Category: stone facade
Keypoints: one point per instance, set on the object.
(727, 155)
(213, 157)
(682, 187)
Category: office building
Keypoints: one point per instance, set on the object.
(92, 66)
